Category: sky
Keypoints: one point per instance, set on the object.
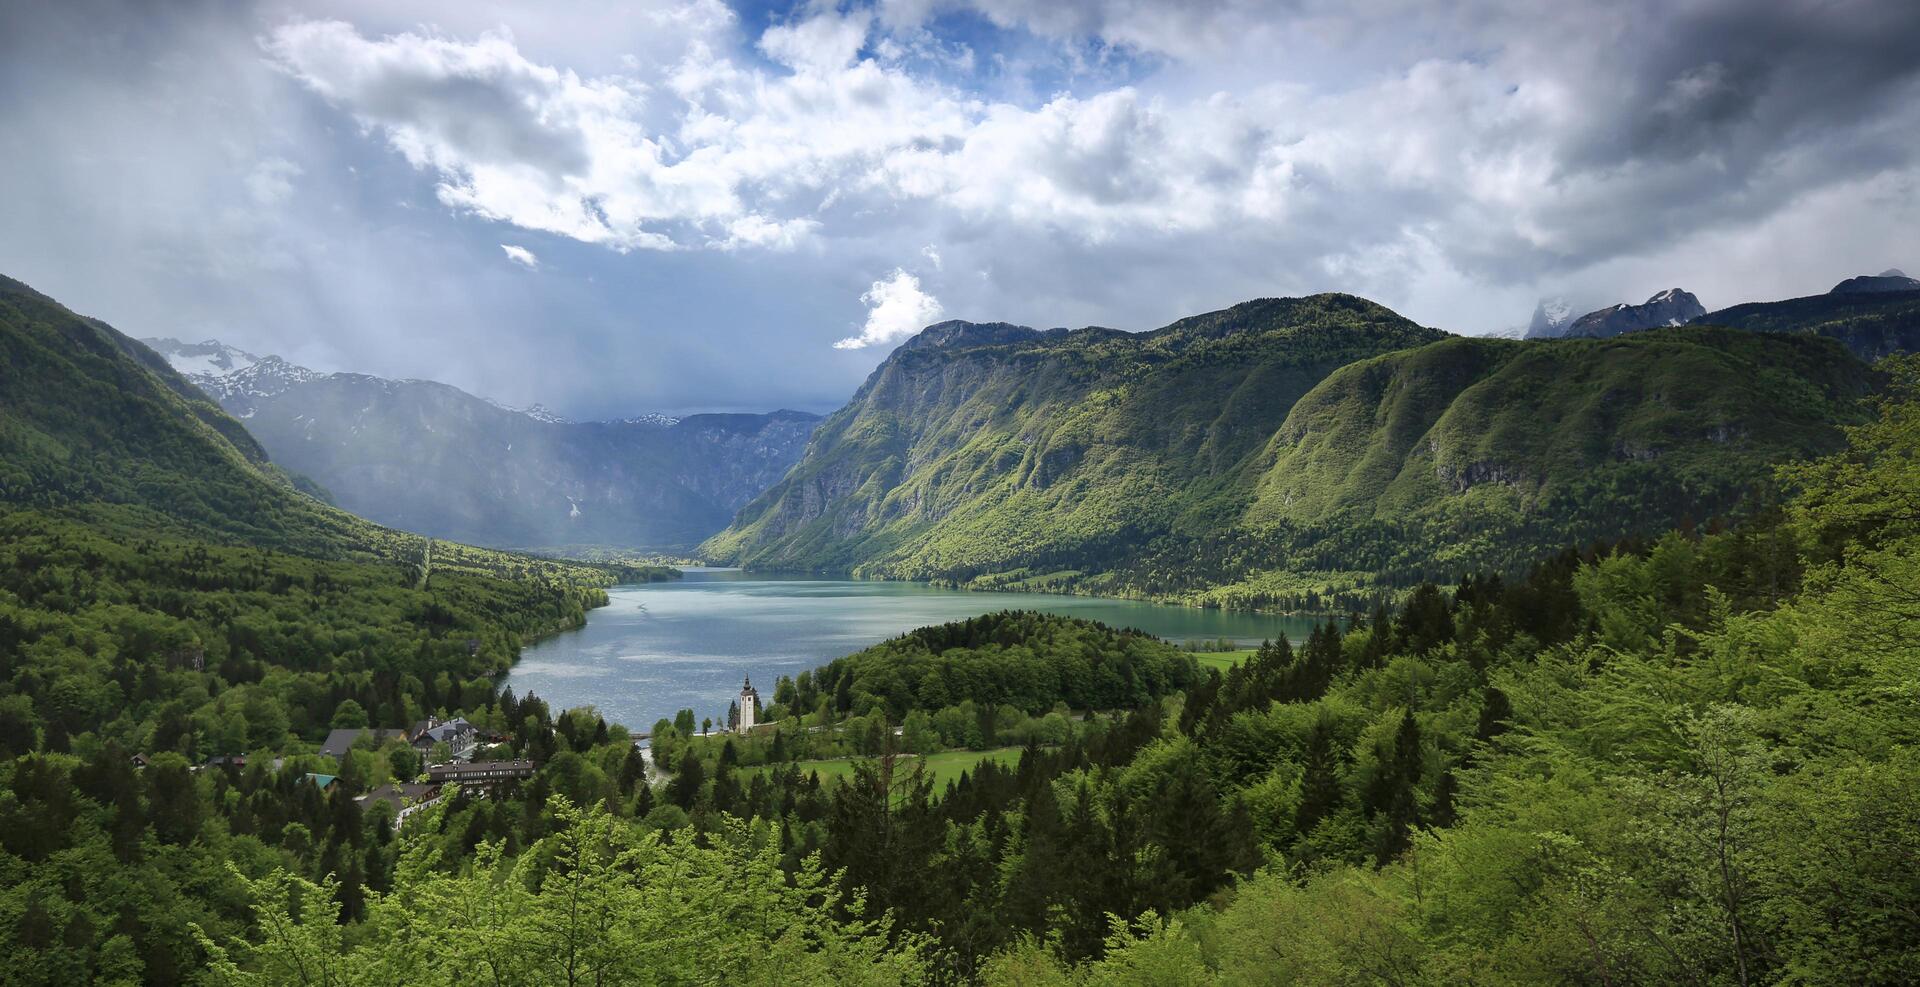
(613, 208)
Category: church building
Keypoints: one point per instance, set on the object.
(749, 705)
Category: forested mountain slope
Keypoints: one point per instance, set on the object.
(1295, 452)
(1679, 760)
(1486, 453)
(166, 592)
(428, 457)
(1870, 324)
(97, 423)
(978, 449)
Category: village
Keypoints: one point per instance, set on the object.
(425, 758)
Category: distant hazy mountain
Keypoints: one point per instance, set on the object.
(1672, 307)
(429, 457)
(1550, 319)
(1891, 279)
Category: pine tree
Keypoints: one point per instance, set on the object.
(684, 789)
(1320, 794)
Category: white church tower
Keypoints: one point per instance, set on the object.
(749, 705)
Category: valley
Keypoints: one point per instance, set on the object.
(688, 643)
(959, 493)
(430, 458)
(1254, 628)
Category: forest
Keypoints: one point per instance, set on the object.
(1686, 759)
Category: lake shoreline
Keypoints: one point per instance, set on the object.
(693, 642)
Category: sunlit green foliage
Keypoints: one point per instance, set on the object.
(599, 901)
(1705, 783)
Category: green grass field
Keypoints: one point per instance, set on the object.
(1222, 660)
(944, 767)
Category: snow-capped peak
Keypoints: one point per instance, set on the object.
(207, 358)
(540, 413)
(537, 412)
(1550, 318)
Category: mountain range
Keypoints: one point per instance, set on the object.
(1293, 452)
(429, 457)
(1281, 452)
(1891, 279)
(1672, 307)
(1873, 315)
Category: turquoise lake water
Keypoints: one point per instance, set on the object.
(660, 647)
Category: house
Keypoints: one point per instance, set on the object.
(326, 782)
(481, 772)
(139, 761)
(339, 742)
(457, 734)
(406, 799)
(236, 761)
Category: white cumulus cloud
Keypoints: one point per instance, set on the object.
(896, 308)
(521, 256)
(1386, 148)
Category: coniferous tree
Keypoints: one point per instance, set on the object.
(1320, 791)
(688, 781)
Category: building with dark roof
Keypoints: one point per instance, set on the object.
(406, 798)
(457, 734)
(339, 742)
(482, 772)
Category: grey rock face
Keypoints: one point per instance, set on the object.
(1672, 307)
(1550, 319)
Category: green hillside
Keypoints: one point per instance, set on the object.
(92, 421)
(1869, 324)
(166, 591)
(1283, 453)
(96, 428)
(980, 449)
(1488, 453)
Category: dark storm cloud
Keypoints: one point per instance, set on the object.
(1736, 75)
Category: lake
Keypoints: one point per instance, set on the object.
(659, 647)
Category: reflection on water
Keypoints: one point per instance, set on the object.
(659, 647)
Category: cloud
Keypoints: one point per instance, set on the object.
(521, 256)
(259, 170)
(820, 44)
(271, 181)
(1505, 149)
(896, 309)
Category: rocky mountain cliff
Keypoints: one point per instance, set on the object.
(429, 457)
(1550, 319)
(1672, 307)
